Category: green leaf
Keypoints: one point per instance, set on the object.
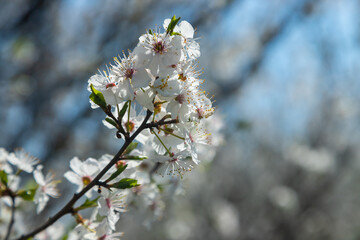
(88, 204)
(123, 110)
(125, 183)
(117, 173)
(160, 187)
(97, 97)
(3, 177)
(172, 25)
(131, 147)
(65, 237)
(132, 157)
(27, 195)
(150, 31)
(112, 122)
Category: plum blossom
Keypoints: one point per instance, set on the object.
(23, 160)
(47, 187)
(82, 172)
(110, 205)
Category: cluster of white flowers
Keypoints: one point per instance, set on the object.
(12, 167)
(152, 96)
(21, 161)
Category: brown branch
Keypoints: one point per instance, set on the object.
(68, 208)
(160, 123)
(118, 122)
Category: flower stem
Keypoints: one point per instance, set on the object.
(68, 208)
(172, 134)
(162, 143)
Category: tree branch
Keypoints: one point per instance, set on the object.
(68, 208)
(161, 122)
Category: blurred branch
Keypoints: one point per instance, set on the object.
(267, 38)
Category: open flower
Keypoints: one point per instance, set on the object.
(82, 172)
(47, 187)
(23, 160)
(111, 204)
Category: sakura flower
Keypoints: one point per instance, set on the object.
(4, 165)
(169, 137)
(103, 232)
(161, 51)
(82, 172)
(187, 32)
(174, 164)
(195, 136)
(23, 160)
(202, 107)
(111, 204)
(129, 70)
(107, 84)
(47, 187)
(167, 86)
(145, 97)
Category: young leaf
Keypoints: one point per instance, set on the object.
(97, 97)
(3, 177)
(112, 122)
(125, 183)
(172, 25)
(123, 110)
(27, 195)
(131, 147)
(117, 173)
(132, 157)
(88, 204)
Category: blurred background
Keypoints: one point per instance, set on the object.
(285, 75)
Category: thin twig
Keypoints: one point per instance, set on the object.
(68, 208)
(159, 123)
(12, 216)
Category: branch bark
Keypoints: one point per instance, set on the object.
(69, 206)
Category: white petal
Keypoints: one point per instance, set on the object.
(39, 177)
(75, 165)
(72, 177)
(186, 29)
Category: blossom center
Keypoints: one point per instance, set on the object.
(159, 47)
(200, 113)
(86, 180)
(182, 77)
(130, 125)
(180, 98)
(129, 73)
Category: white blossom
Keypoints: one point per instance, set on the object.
(82, 172)
(46, 188)
(23, 160)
